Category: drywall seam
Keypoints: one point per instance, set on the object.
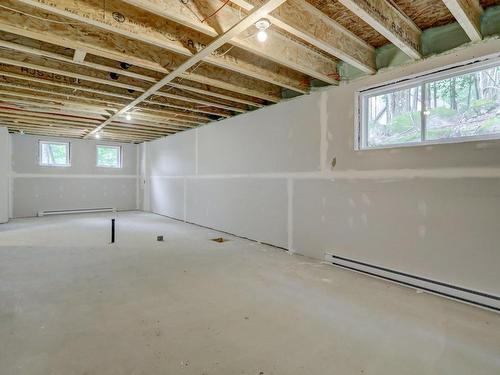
(196, 151)
(323, 118)
(290, 215)
(138, 178)
(185, 199)
(439, 173)
(11, 180)
(42, 175)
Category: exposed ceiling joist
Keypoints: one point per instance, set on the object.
(278, 47)
(89, 122)
(306, 22)
(468, 15)
(181, 116)
(242, 25)
(59, 57)
(130, 22)
(389, 21)
(77, 76)
(121, 49)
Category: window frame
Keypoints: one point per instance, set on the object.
(120, 156)
(362, 96)
(68, 156)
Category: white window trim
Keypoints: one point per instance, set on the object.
(361, 99)
(120, 156)
(68, 144)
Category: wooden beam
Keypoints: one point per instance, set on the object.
(180, 116)
(109, 82)
(38, 116)
(43, 120)
(87, 123)
(307, 22)
(468, 15)
(278, 47)
(121, 49)
(53, 107)
(73, 87)
(58, 57)
(43, 109)
(49, 126)
(122, 19)
(254, 16)
(26, 120)
(67, 73)
(389, 21)
(80, 105)
(215, 94)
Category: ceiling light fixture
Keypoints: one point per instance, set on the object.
(97, 136)
(128, 117)
(262, 25)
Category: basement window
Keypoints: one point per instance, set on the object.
(109, 156)
(54, 154)
(456, 105)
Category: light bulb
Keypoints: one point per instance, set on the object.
(128, 117)
(262, 36)
(97, 135)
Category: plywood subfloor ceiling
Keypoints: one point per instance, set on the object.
(134, 70)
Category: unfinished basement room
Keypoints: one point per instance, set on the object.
(250, 187)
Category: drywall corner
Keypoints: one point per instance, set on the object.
(4, 175)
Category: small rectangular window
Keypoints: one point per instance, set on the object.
(457, 105)
(109, 156)
(54, 154)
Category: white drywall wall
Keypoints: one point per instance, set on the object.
(82, 185)
(4, 174)
(431, 211)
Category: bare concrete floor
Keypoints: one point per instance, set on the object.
(72, 304)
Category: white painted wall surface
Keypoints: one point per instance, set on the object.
(82, 185)
(4, 174)
(431, 211)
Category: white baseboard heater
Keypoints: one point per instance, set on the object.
(469, 296)
(76, 211)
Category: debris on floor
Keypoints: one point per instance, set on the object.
(219, 239)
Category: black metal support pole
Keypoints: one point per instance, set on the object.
(112, 230)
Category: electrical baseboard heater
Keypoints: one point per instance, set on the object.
(76, 211)
(469, 296)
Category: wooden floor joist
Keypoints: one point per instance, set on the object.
(306, 22)
(180, 41)
(389, 21)
(278, 47)
(120, 49)
(62, 58)
(468, 14)
(254, 16)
